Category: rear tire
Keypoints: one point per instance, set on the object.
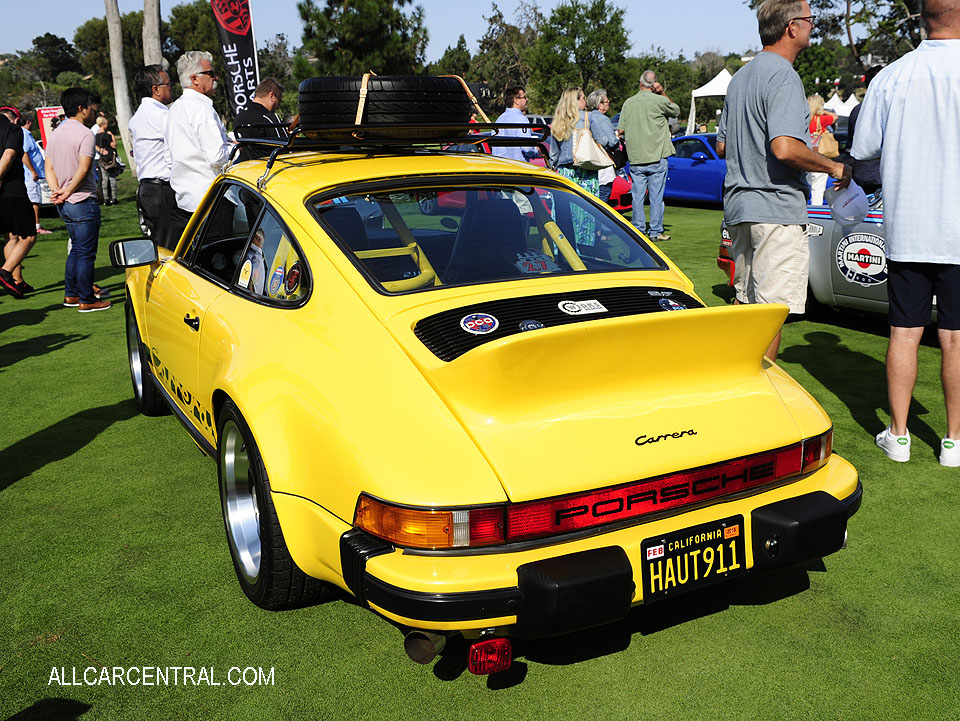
(268, 575)
(145, 392)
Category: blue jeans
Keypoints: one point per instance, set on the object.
(653, 175)
(83, 226)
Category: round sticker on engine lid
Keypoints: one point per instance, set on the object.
(668, 304)
(862, 259)
(479, 323)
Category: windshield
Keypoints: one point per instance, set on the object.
(426, 237)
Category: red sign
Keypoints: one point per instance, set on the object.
(233, 15)
(46, 118)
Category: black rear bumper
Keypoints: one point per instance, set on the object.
(591, 588)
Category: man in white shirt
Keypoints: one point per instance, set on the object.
(148, 128)
(910, 113)
(516, 101)
(196, 139)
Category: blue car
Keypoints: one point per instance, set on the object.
(695, 172)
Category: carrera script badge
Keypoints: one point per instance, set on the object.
(645, 440)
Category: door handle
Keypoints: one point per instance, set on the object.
(192, 322)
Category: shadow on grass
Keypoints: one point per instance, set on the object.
(59, 440)
(13, 352)
(52, 709)
(25, 316)
(858, 380)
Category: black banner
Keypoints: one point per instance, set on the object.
(235, 25)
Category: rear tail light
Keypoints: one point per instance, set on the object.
(490, 656)
(817, 450)
(432, 528)
(429, 528)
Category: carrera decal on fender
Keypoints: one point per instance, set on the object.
(862, 259)
(186, 398)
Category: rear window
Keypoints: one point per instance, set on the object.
(418, 238)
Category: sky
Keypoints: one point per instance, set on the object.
(722, 26)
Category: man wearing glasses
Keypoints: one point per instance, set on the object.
(148, 130)
(515, 100)
(196, 139)
(764, 133)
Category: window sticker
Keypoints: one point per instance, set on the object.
(244, 280)
(276, 280)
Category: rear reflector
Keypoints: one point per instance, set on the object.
(490, 656)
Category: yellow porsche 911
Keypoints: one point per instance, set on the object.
(500, 412)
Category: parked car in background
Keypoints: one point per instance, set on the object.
(695, 171)
(848, 264)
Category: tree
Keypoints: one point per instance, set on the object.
(454, 61)
(119, 71)
(152, 49)
(352, 37)
(92, 39)
(54, 55)
(583, 44)
(504, 57)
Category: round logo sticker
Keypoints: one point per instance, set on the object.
(479, 323)
(531, 325)
(276, 280)
(244, 280)
(293, 278)
(862, 259)
(668, 304)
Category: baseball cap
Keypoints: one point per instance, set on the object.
(12, 110)
(848, 206)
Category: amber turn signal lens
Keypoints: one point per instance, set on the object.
(405, 526)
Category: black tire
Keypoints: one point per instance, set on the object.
(148, 398)
(268, 575)
(390, 99)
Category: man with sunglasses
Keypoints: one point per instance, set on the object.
(764, 133)
(196, 140)
(148, 131)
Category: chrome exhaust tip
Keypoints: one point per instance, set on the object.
(423, 646)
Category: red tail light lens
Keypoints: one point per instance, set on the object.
(571, 513)
(490, 656)
(817, 450)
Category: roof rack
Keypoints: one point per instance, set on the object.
(388, 136)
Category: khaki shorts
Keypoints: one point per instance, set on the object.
(772, 263)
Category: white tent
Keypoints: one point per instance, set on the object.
(717, 86)
(841, 107)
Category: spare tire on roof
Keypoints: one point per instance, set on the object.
(394, 99)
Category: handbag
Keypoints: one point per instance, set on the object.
(824, 142)
(587, 153)
(618, 155)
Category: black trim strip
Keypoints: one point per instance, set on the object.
(200, 440)
(463, 606)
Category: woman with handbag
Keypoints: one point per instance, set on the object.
(822, 140)
(109, 165)
(567, 119)
(598, 103)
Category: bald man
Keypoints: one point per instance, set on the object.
(910, 112)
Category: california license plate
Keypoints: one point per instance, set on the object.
(692, 558)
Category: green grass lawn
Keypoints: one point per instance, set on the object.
(114, 556)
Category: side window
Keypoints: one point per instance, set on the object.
(224, 235)
(272, 267)
(686, 148)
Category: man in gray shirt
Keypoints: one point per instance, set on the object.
(764, 133)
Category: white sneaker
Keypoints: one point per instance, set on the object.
(950, 453)
(897, 448)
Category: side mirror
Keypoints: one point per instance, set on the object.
(700, 157)
(132, 252)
